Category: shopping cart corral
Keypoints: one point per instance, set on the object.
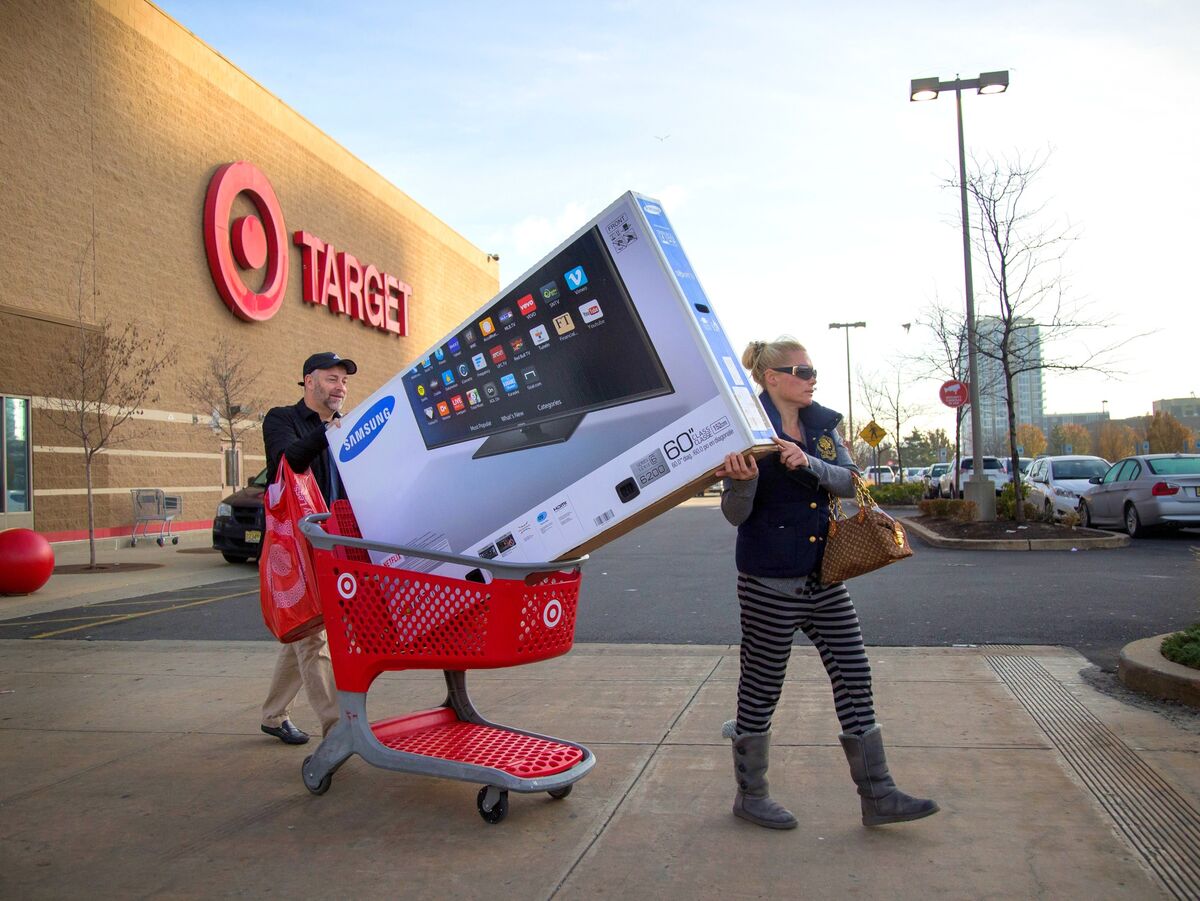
(154, 505)
(382, 619)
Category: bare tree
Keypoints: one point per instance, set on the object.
(888, 405)
(1023, 257)
(98, 380)
(227, 383)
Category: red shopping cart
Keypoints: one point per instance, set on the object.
(382, 619)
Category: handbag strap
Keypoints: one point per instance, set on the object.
(862, 496)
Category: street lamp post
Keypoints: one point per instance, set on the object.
(979, 487)
(849, 385)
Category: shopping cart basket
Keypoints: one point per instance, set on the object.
(381, 619)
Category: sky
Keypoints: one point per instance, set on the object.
(804, 185)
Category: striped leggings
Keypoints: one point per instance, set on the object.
(772, 610)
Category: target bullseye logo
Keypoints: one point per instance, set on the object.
(552, 613)
(248, 243)
(347, 586)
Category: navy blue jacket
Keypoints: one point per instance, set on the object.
(784, 535)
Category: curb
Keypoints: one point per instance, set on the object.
(1027, 544)
(1144, 669)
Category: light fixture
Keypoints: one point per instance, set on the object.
(493, 257)
(993, 82)
(924, 89)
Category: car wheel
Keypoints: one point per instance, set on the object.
(1133, 522)
(233, 558)
(1085, 515)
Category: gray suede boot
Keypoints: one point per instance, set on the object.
(882, 802)
(752, 802)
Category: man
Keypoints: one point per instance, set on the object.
(298, 433)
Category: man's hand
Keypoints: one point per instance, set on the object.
(791, 454)
(738, 467)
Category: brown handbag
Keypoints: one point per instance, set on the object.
(857, 544)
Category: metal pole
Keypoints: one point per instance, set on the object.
(972, 339)
(849, 393)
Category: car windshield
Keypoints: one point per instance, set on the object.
(1175, 466)
(939, 468)
(988, 463)
(260, 480)
(1078, 469)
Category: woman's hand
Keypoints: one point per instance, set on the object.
(738, 467)
(791, 454)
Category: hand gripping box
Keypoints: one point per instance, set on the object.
(593, 394)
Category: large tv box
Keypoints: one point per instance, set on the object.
(591, 395)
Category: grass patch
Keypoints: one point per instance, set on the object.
(1183, 647)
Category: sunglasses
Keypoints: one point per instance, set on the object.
(801, 372)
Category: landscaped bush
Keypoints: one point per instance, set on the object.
(1183, 647)
(1006, 506)
(948, 508)
(898, 492)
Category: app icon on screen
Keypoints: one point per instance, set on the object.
(526, 305)
(517, 344)
(576, 278)
(463, 370)
(487, 328)
(448, 378)
(549, 291)
(429, 413)
(420, 390)
(473, 397)
(479, 361)
(509, 382)
(457, 403)
(529, 374)
(439, 354)
(489, 389)
(564, 323)
(469, 335)
(443, 408)
(506, 315)
(453, 345)
(539, 334)
(426, 363)
(498, 355)
(591, 311)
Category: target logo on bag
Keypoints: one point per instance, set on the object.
(552, 613)
(248, 243)
(347, 586)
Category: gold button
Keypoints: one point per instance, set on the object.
(812, 537)
(813, 505)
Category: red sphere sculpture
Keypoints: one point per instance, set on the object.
(26, 561)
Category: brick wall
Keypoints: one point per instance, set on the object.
(113, 119)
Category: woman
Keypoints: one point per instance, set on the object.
(781, 508)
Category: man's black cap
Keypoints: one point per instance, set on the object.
(328, 360)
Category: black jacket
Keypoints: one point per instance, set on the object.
(298, 433)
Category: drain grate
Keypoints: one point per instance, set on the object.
(1160, 824)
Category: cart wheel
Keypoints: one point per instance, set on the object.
(321, 787)
(174, 540)
(498, 812)
(161, 543)
(133, 542)
(559, 793)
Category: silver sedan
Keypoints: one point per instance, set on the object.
(1145, 491)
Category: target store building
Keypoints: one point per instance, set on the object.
(147, 181)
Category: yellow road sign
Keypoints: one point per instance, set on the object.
(872, 433)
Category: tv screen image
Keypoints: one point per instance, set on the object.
(565, 341)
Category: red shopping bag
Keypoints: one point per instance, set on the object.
(287, 579)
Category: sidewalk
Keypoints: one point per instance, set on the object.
(137, 769)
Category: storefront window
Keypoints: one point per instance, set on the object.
(15, 493)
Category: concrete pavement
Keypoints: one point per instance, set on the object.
(137, 769)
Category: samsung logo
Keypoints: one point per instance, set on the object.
(367, 427)
(652, 209)
(543, 516)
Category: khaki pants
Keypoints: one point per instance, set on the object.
(303, 663)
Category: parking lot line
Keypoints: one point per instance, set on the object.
(128, 616)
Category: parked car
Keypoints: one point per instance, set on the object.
(913, 473)
(992, 468)
(1144, 492)
(932, 475)
(1054, 484)
(240, 521)
(879, 475)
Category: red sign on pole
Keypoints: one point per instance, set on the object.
(953, 393)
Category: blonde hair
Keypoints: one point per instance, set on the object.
(759, 356)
